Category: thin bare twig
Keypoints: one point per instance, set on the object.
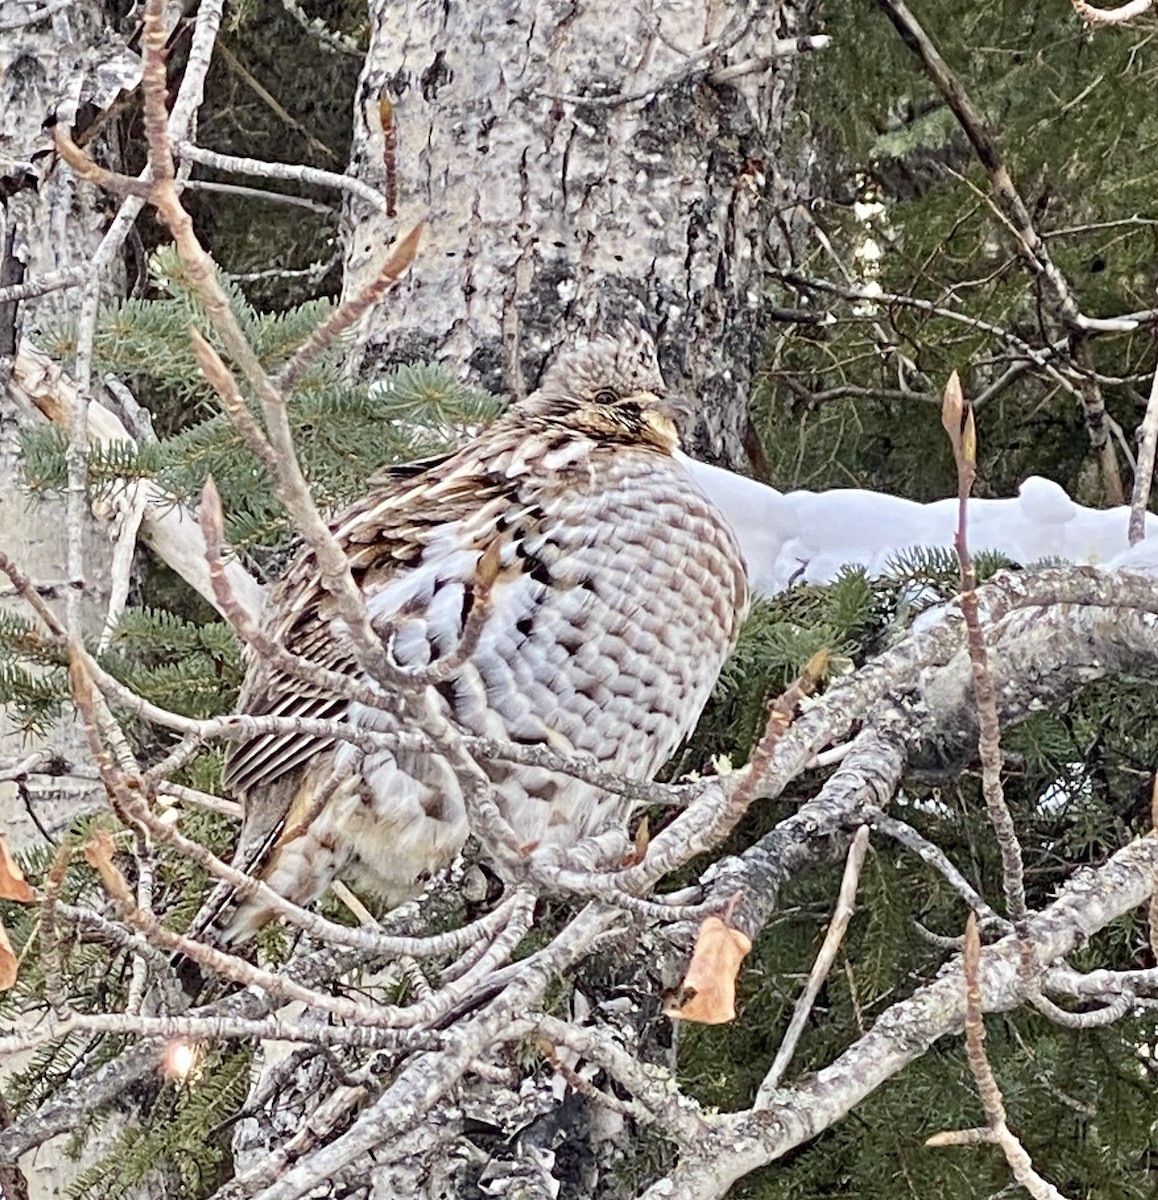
(957, 417)
(834, 935)
(267, 97)
(938, 860)
(998, 1132)
(291, 172)
(1094, 1018)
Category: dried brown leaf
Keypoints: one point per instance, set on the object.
(99, 854)
(9, 963)
(711, 975)
(12, 883)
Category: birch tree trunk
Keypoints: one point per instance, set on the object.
(54, 67)
(65, 65)
(580, 163)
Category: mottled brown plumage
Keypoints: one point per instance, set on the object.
(611, 592)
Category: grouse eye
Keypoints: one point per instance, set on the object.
(605, 396)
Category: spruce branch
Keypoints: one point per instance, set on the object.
(1032, 248)
(165, 525)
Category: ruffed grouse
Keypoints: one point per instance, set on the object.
(614, 591)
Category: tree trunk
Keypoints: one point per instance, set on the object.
(65, 66)
(577, 166)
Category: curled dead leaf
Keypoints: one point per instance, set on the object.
(711, 975)
(9, 963)
(12, 883)
(99, 855)
(638, 852)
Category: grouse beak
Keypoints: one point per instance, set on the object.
(667, 415)
(674, 408)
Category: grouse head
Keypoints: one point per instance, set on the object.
(611, 389)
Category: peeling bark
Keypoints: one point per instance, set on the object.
(68, 67)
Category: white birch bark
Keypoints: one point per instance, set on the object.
(66, 64)
(62, 66)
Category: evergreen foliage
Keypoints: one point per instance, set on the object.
(1087, 170)
(185, 1144)
(344, 431)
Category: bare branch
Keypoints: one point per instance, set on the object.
(1032, 248)
(292, 172)
(834, 935)
(1144, 471)
(1111, 16)
(957, 417)
(937, 859)
(999, 1133)
(742, 1142)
